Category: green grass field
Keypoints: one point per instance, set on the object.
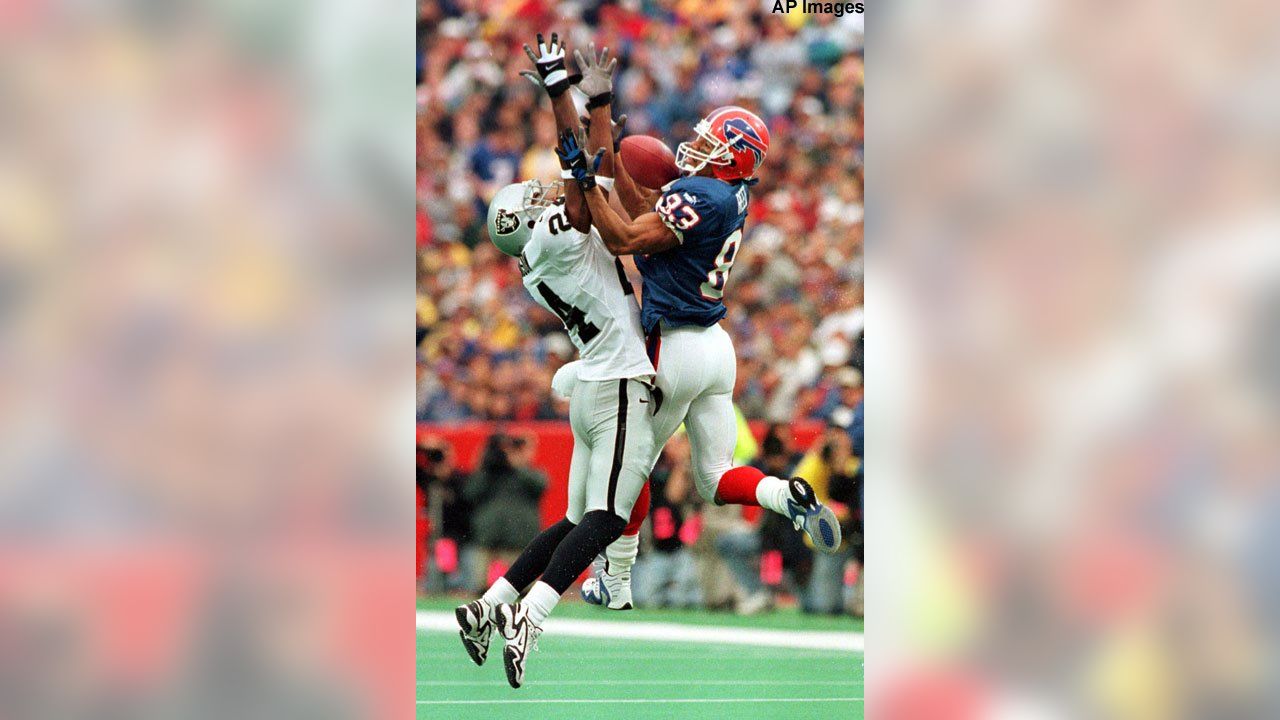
(580, 676)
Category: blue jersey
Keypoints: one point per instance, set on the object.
(685, 285)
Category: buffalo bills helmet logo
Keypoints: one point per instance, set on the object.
(741, 136)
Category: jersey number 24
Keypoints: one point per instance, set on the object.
(575, 321)
(713, 288)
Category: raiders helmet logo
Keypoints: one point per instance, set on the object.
(506, 222)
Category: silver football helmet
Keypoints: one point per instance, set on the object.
(514, 210)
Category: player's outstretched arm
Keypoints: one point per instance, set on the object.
(641, 236)
(621, 178)
(646, 234)
(553, 76)
(635, 200)
(597, 85)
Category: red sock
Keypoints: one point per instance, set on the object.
(738, 486)
(639, 512)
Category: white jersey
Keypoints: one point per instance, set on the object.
(574, 276)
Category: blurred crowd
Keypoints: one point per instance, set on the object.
(485, 350)
(693, 554)
(201, 253)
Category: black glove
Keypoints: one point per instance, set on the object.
(573, 155)
(549, 61)
(617, 126)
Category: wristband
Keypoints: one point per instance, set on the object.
(605, 182)
(599, 100)
(557, 87)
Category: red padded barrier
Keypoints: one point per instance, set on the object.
(555, 448)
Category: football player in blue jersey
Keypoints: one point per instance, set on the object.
(685, 239)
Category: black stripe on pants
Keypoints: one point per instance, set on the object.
(619, 443)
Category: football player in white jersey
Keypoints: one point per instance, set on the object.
(567, 270)
(685, 239)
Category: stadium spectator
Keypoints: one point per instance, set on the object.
(741, 545)
(844, 400)
(452, 556)
(796, 286)
(786, 560)
(727, 542)
(836, 476)
(504, 491)
(664, 575)
(720, 590)
(486, 351)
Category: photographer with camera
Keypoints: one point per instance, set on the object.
(448, 516)
(504, 492)
(835, 473)
(781, 547)
(665, 575)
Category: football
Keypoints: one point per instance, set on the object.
(648, 160)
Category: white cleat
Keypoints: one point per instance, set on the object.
(607, 589)
(521, 636)
(475, 627)
(817, 520)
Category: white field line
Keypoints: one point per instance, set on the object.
(658, 701)
(663, 683)
(758, 655)
(675, 632)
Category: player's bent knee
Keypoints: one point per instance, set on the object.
(605, 526)
(707, 483)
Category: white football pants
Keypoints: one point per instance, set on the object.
(696, 371)
(612, 423)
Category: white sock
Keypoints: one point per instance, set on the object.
(773, 493)
(621, 553)
(501, 592)
(540, 601)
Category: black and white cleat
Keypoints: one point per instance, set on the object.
(521, 637)
(475, 627)
(817, 520)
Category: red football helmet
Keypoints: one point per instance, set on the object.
(734, 144)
